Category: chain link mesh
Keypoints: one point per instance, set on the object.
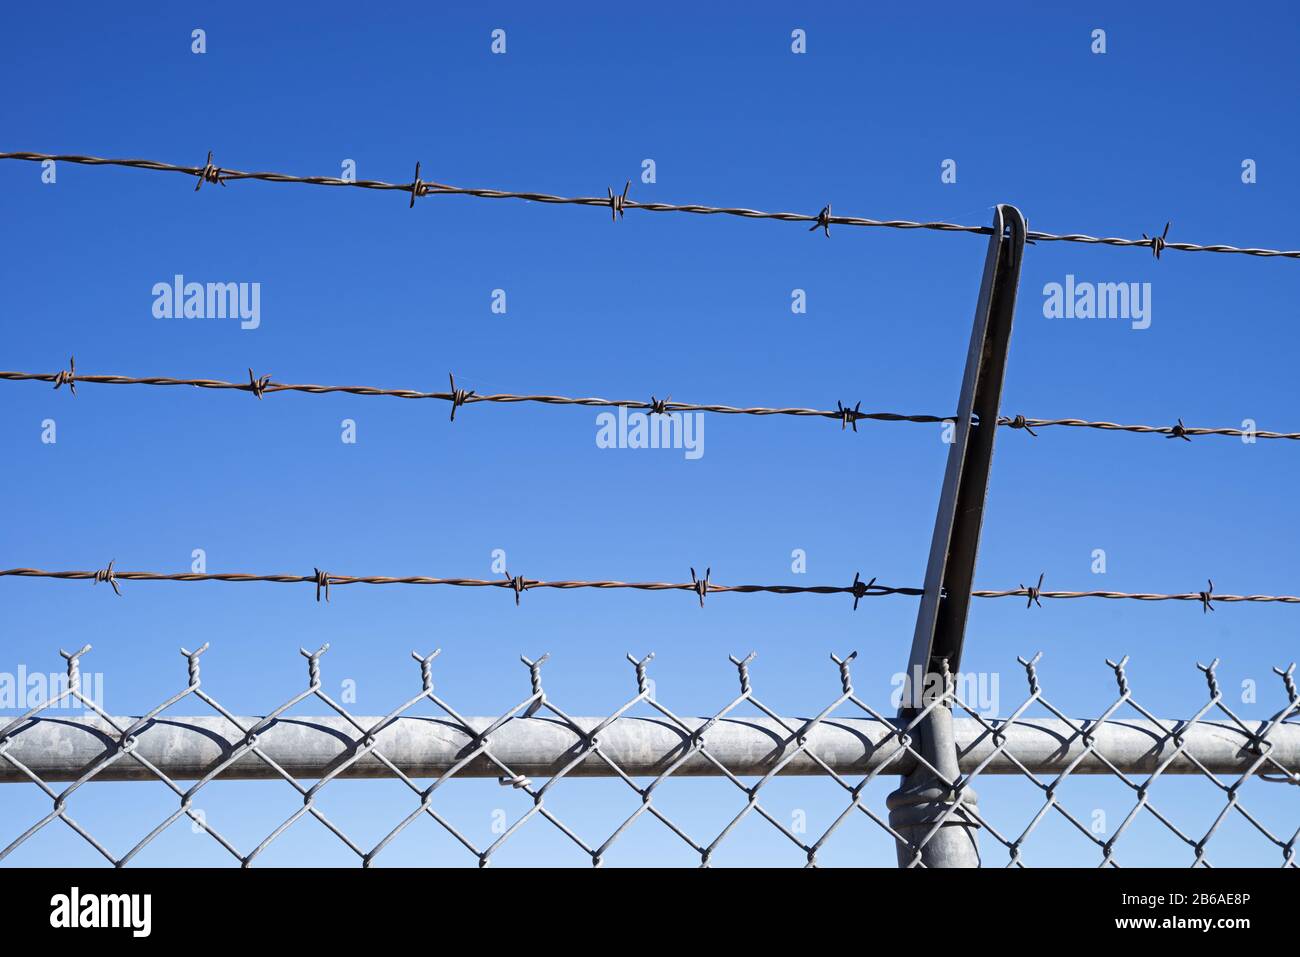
(986, 747)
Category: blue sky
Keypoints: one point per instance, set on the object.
(359, 289)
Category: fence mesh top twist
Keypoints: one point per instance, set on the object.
(746, 742)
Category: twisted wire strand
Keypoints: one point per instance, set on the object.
(264, 385)
(519, 583)
(618, 203)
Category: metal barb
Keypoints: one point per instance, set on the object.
(417, 187)
(617, 200)
(701, 584)
(518, 584)
(848, 416)
(458, 396)
(67, 376)
(209, 174)
(1158, 242)
(1033, 592)
(860, 589)
(322, 580)
(106, 575)
(1020, 422)
(823, 221)
(257, 385)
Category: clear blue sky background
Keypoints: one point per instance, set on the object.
(359, 289)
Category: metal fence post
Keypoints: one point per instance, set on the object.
(923, 800)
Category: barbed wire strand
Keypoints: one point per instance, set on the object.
(618, 203)
(700, 586)
(260, 386)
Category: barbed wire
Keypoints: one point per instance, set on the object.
(618, 203)
(702, 586)
(846, 416)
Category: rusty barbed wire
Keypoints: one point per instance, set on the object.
(617, 203)
(846, 416)
(699, 585)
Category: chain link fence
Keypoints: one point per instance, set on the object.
(536, 746)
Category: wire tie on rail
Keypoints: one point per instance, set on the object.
(1158, 242)
(68, 376)
(701, 584)
(418, 186)
(257, 385)
(860, 589)
(209, 174)
(823, 221)
(1020, 422)
(848, 416)
(517, 584)
(322, 581)
(1033, 591)
(1179, 431)
(458, 396)
(616, 201)
(1207, 597)
(659, 406)
(106, 575)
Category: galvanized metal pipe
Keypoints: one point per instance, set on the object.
(185, 748)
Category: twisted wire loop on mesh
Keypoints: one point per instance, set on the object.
(896, 749)
(618, 203)
(701, 586)
(846, 416)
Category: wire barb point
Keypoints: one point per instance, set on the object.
(1032, 592)
(210, 174)
(701, 584)
(418, 187)
(68, 376)
(107, 575)
(848, 416)
(617, 201)
(257, 385)
(458, 396)
(1158, 242)
(823, 221)
(1020, 422)
(860, 590)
